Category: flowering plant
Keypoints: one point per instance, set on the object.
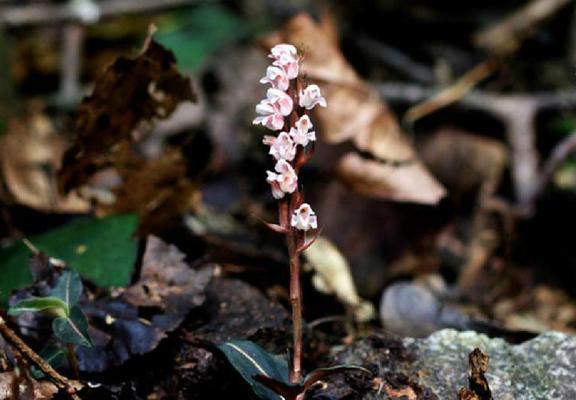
(285, 109)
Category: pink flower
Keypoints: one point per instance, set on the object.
(311, 96)
(304, 218)
(281, 147)
(284, 181)
(286, 57)
(276, 77)
(274, 122)
(300, 132)
(280, 100)
(273, 108)
(283, 50)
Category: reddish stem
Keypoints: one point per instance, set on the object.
(296, 302)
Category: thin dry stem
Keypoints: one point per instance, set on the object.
(14, 340)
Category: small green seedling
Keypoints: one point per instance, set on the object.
(70, 324)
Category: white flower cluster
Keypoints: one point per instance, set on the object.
(273, 111)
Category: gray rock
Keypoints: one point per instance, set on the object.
(542, 368)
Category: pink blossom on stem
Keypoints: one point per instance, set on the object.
(311, 96)
(283, 50)
(273, 109)
(286, 57)
(284, 181)
(276, 77)
(280, 100)
(301, 133)
(281, 147)
(304, 218)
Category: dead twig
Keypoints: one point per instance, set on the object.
(39, 14)
(517, 112)
(14, 340)
(454, 92)
(507, 35)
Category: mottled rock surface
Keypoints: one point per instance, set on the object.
(437, 366)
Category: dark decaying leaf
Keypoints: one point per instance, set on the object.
(73, 328)
(136, 322)
(131, 90)
(167, 283)
(251, 361)
(68, 288)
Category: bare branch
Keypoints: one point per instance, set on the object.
(38, 14)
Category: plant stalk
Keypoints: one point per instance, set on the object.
(72, 360)
(296, 302)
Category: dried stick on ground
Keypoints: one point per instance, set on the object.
(454, 92)
(38, 14)
(506, 36)
(14, 340)
(518, 113)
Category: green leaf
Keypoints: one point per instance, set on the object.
(251, 360)
(50, 305)
(53, 355)
(101, 250)
(68, 288)
(195, 34)
(73, 329)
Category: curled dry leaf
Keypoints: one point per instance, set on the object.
(333, 276)
(356, 113)
(103, 164)
(30, 154)
(130, 92)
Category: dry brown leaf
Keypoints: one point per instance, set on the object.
(131, 91)
(167, 282)
(373, 178)
(332, 275)
(30, 155)
(356, 113)
(464, 161)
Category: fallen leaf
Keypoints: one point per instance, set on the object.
(140, 317)
(157, 189)
(373, 178)
(167, 282)
(131, 91)
(30, 155)
(464, 162)
(356, 113)
(332, 275)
